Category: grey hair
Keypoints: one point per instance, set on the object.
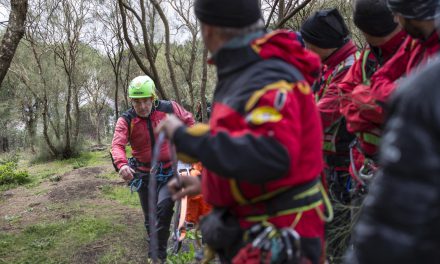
(230, 32)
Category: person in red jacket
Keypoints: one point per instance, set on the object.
(367, 113)
(326, 34)
(384, 37)
(137, 128)
(263, 146)
(418, 20)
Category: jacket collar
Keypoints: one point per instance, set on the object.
(340, 55)
(384, 52)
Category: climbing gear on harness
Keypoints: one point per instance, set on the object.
(269, 245)
(163, 174)
(134, 163)
(365, 174)
(138, 179)
(355, 175)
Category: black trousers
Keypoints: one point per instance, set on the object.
(165, 210)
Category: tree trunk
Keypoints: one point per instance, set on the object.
(5, 144)
(116, 96)
(67, 124)
(168, 49)
(203, 87)
(191, 70)
(280, 10)
(52, 148)
(98, 134)
(77, 117)
(13, 35)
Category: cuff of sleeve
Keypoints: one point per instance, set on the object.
(120, 165)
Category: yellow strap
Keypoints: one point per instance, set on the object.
(313, 190)
(328, 206)
(260, 218)
(296, 221)
(238, 196)
(280, 85)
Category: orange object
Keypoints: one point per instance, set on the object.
(196, 207)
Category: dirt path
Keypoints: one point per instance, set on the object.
(75, 193)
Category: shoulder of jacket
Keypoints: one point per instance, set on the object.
(129, 115)
(165, 106)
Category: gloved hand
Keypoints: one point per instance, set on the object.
(126, 173)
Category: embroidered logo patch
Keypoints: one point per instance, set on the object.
(264, 114)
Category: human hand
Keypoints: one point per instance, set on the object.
(170, 124)
(126, 173)
(188, 185)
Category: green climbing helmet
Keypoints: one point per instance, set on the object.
(141, 87)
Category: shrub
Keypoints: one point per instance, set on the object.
(10, 175)
(11, 157)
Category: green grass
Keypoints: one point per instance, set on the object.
(53, 242)
(182, 257)
(47, 170)
(117, 254)
(41, 171)
(121, 195)
(109, 176)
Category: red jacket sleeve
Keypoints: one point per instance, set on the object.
(362, 111)
(328, 105)
(120, 140)
(352, 78)
(383, 80)
(186, 117)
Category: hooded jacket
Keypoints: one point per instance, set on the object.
(265, 134)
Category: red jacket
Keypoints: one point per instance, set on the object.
(357, 81)
(265, 134)
(336, 137)
(335, 68)
(411, 56)
(138, 134)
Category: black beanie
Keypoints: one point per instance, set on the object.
(415, 9)
(325, 29)
(373, 17)
(228, 13)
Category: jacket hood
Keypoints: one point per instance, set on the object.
(280, 44)
(284, 45)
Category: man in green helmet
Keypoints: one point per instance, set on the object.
(137, 128)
